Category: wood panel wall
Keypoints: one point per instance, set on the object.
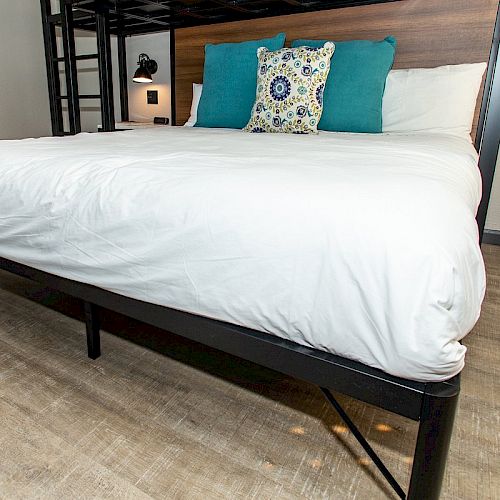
(429, 33)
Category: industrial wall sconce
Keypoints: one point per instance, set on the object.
(147, 67)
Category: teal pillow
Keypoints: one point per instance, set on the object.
(355, 86)
(230, 82)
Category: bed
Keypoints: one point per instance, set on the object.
(353, 263)
(228, 225)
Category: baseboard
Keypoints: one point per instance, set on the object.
(491, 237)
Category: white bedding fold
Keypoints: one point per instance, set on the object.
(361, 245)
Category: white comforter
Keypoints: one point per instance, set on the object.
(361, 245)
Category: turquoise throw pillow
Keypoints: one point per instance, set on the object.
(230, 82)
(355, 86)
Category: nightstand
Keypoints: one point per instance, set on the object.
(133, 125)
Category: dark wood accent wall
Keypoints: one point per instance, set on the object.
(429, 33)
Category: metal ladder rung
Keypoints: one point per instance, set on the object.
(54, 18)
(81, 96)
(77, 14)
(83, 57)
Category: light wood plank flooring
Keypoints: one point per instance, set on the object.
(160, 417)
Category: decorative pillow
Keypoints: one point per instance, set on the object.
(290, 86)
(229, 82)
(441, 100)
(355, 87)
(197, 89)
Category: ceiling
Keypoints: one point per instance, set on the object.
(132, 17)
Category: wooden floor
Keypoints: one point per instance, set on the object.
(186, 422)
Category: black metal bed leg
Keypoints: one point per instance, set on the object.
(93, 326)
(433, 441)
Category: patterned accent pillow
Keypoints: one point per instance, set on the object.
(290, 86)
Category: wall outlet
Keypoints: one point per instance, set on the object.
(152, 96)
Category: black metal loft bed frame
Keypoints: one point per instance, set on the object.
(431, 404)
(124, 18)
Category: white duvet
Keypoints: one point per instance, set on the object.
(361, 245)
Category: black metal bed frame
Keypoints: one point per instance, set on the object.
(433, 405)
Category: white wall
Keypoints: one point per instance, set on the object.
(24, 99)
(157, 47)
(24, 104)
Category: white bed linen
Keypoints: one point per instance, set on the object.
(361, 245)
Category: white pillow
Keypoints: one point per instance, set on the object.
(439, 100)
(197, 88)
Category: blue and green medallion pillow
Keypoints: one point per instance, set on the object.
(229, 82)
(355, 87)
(290, 86)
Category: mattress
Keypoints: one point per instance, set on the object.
(364, 246)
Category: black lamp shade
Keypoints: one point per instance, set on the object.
(142, 75)
(147, 67)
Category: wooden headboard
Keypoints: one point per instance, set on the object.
(429, 33)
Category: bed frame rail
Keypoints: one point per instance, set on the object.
(488, 133)
(371, 385)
